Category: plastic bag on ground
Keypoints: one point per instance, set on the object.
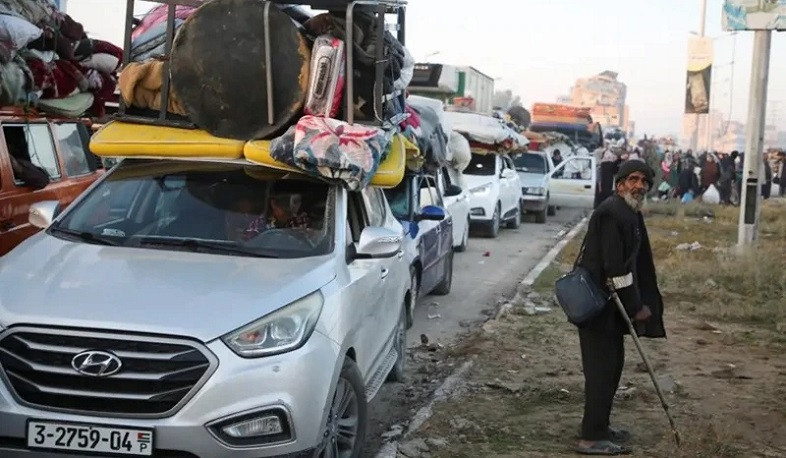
(711, 195)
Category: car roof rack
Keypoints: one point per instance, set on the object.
(380, 8)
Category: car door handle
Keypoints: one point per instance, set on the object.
(384, 273)
(587, 186)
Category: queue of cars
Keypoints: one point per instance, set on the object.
(222, 335)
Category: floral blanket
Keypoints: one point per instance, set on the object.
(333, 149)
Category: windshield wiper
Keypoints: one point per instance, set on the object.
(198, 245)
(84, 236)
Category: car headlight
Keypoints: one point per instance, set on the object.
(486, 188)
(535, 190)
(284, 330)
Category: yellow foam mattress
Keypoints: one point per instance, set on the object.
(389, 174)
(121, 139)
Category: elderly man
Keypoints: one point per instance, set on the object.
(617, 250)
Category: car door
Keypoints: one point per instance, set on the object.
(39, 148)
(573, 183)
(511, 192)
(457, 206)
(369, 280)
(430, 237)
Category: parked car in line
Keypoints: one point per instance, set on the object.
(253, 313)
(495, 192)
(534, 169)
(428, 228)
(573, 182)
(456, 200)
(52, 148)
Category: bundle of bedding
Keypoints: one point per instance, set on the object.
(45, 56)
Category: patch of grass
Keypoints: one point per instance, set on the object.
(544, 284)
(721, 282)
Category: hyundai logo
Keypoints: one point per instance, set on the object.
(96, 363)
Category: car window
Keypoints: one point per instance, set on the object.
(162, 204)
(32, 143)
(482, 164)
(74, 151)
(428, 193)
(399, 199)
(575, 168)
(375, 208)
(531, 162)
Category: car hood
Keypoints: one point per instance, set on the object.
(51, 282)
(529, 179)
(474, 181)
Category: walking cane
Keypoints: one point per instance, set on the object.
(636, 341)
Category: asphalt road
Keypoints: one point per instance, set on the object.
(484, 275)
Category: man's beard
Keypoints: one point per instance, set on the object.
(636, 203)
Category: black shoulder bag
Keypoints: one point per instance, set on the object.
(577, 293)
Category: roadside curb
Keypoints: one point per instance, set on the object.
(457, 377)
(533, 274)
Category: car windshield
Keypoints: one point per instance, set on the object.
(530, 162)
(399, 199)
(481, 164)
(218, 208)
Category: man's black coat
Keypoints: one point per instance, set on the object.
(617, 244)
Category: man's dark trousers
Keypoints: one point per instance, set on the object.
(602, 356)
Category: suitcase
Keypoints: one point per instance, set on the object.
(326, 84)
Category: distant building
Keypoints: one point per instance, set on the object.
(782, 139)
(606, 96)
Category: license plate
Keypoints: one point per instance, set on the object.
(90, 438)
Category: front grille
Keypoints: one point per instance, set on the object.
(157, 374)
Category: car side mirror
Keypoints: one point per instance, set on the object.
(379, 242)
(508, 173)
(42, 213)
(431, 213)
(453, 190)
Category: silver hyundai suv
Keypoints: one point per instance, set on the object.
(201, 309)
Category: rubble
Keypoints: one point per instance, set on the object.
(436, 442)
(413, 448)
(695, 246)
(668, 384)
(462, 424)
(394, 432)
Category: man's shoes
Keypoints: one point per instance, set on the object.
(605, 448)
(619, 435)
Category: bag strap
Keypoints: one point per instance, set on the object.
(627, 263)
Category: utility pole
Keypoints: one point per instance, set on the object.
(750, 202)
(702, 29)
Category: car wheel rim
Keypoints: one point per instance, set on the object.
(342, 427)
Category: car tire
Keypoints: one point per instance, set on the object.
(540, 217)
(413, 296)
(397, 373)
(444, 286)
(551, 210)
(492, 230)
(516, 221)
(465, 240)
(350, 398)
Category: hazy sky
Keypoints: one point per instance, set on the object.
(538, 48)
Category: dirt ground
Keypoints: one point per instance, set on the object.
(723, 365)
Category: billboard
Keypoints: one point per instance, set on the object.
(754, 15)
(699, 76)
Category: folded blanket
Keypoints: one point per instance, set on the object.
(15, 80)
(17, 31)
(333, 149)
(57, 79)
(140, 86)
(157, 16)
